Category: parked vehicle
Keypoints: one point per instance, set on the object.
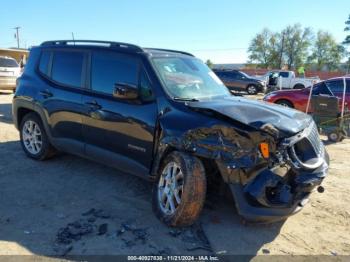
(288, 80)
(239, 81)
(298, 99)
(9, 72)
(164, 115)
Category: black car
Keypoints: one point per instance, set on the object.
(239, 81)
(165, 116)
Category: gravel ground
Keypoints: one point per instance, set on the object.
(72, 206)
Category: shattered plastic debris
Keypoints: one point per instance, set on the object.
(73, 231)
(102, 229)
(193, 237)
(137, 234)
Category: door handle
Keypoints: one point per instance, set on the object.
(93, 104)
(46, 93)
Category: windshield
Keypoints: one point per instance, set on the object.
(7, 62)
(189, 78)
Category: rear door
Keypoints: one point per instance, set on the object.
(64, 71)
(117, 132)
(286, 79)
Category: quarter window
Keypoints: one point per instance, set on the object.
(109, 69)
(44, 62)
(67, 68)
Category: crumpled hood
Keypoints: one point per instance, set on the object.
(257, 113)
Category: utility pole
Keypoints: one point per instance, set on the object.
(17, 35)
(282, 50)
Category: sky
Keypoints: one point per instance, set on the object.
(217, 30)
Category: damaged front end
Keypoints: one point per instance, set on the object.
(282, 187)
(266, 188)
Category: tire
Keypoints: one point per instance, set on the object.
(252, 90)
(285, 103)
(299, 86)
(335, 137)
(193, 186)
(31, 146)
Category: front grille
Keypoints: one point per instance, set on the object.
(315, 140)
(307, 150)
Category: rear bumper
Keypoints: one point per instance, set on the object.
(7, 83)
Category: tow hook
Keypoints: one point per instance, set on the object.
(320, 189)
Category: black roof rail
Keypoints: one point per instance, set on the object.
(110, 43)
(168, 50)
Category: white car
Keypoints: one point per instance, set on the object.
(287, 80)
(9, 72)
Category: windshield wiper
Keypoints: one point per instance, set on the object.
(176, 98)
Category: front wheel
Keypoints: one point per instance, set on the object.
(180, 190)
(252, 90)
(285, 103)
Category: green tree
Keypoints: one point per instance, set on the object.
(326, 52)
(262, 49)
(209, 63)
(347, 29)
(297, 41)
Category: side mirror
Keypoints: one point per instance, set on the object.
(125, 91)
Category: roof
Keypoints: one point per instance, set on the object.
(20, 50)
(113, 45)
(347, 77)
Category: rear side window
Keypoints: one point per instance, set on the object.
(284, 74)
(109, 68)
(8, 62)
(336, 86)
(44, 62)
(67, 68)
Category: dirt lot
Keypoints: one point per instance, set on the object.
(69, 205)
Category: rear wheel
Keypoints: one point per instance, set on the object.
(335, 137)
(252, 90)
(285, 103)
(34, 139)
(180, 190)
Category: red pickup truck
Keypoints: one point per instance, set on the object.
(298, 98)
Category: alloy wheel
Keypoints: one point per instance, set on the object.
(170, 188)
(32, 137)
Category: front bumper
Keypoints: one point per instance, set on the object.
(254, 205)
(281, 187)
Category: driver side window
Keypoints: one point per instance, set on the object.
(145, 87)
(321, 89)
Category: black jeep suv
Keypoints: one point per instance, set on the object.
(164, 115)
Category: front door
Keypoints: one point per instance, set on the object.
(117, 132)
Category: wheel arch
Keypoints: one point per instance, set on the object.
(302, 85)
(22, 108)
(285, 100)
